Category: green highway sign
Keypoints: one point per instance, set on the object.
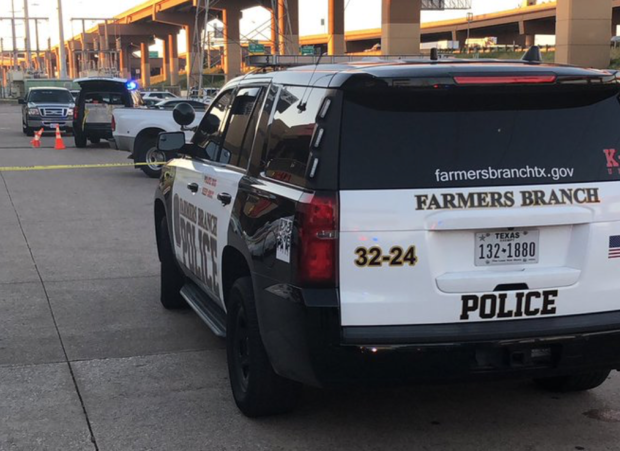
(307, 50)
(256, 48)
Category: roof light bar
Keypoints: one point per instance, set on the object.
(504, 79)
(309, 60)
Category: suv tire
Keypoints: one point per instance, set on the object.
(27, 130)
(80, 139)
(147, 153)
(171, 277)
(257, 389)
(574, 382)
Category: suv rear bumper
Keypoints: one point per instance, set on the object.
(305, 342)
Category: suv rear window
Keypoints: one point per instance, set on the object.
(290, 134)
(482, 136)
(50, 96)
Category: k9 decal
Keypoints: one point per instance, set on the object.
(374, 257)
(518, 304)
(195, 232)
(613, 161)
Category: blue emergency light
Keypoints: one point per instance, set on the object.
(132, 85)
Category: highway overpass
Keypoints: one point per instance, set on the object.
(583, 32)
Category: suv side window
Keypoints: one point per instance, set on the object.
(239, 132)
(290, 134)
(209, 132)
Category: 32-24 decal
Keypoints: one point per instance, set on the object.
(373, 257)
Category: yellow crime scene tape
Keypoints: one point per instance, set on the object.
(74, 166)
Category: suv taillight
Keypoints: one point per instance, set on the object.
(76, 113)
(113, 124)
(317, 219)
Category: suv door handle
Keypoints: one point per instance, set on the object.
(193, 187)
(224, 198)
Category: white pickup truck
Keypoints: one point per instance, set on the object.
(136, 129)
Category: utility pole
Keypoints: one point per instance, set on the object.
(27, 24)
(62, 64)
(13, 34)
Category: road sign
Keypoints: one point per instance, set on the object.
(256, 49)
(307, 50)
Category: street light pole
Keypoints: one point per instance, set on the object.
(62, 64)
(27, 24)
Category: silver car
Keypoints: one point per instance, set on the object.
(45, 108)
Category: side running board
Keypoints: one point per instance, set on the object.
(206, 308)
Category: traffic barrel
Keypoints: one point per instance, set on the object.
(60, 145)
(36, 141)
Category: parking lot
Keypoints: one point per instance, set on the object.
(89, 360)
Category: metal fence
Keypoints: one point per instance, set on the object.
(441, 5)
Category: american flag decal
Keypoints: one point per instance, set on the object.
(614, 246)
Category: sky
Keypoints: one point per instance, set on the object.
(359, 14)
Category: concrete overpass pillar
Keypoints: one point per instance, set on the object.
(145, 65)
(289, 35)
(165, 69)
(232, 48)
(400, 27)
(124, 60)
(615, 21)
(336, 44)
(173, 57)
(583, 32)
(72, 63)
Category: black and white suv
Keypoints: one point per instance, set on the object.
(400, 221)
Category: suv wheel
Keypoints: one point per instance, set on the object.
(171, 277)
(150, 157)
(574, 382)
(79, 138)
(257, 389)
(27, 130)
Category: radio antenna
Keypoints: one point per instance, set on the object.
(303, 105)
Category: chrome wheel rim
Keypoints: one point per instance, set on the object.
(155, 158)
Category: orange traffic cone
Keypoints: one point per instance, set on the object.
(36, 141)
(60, 145)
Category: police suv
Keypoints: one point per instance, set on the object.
(412, 220)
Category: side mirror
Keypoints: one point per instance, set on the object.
(210, 124)
(170, 141)
(21, 101)
(183, 114)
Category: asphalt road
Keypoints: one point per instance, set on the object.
(89, 360)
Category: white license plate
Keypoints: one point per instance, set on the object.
(53, 125)
(506, 247)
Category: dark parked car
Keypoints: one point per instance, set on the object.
(45, 108)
